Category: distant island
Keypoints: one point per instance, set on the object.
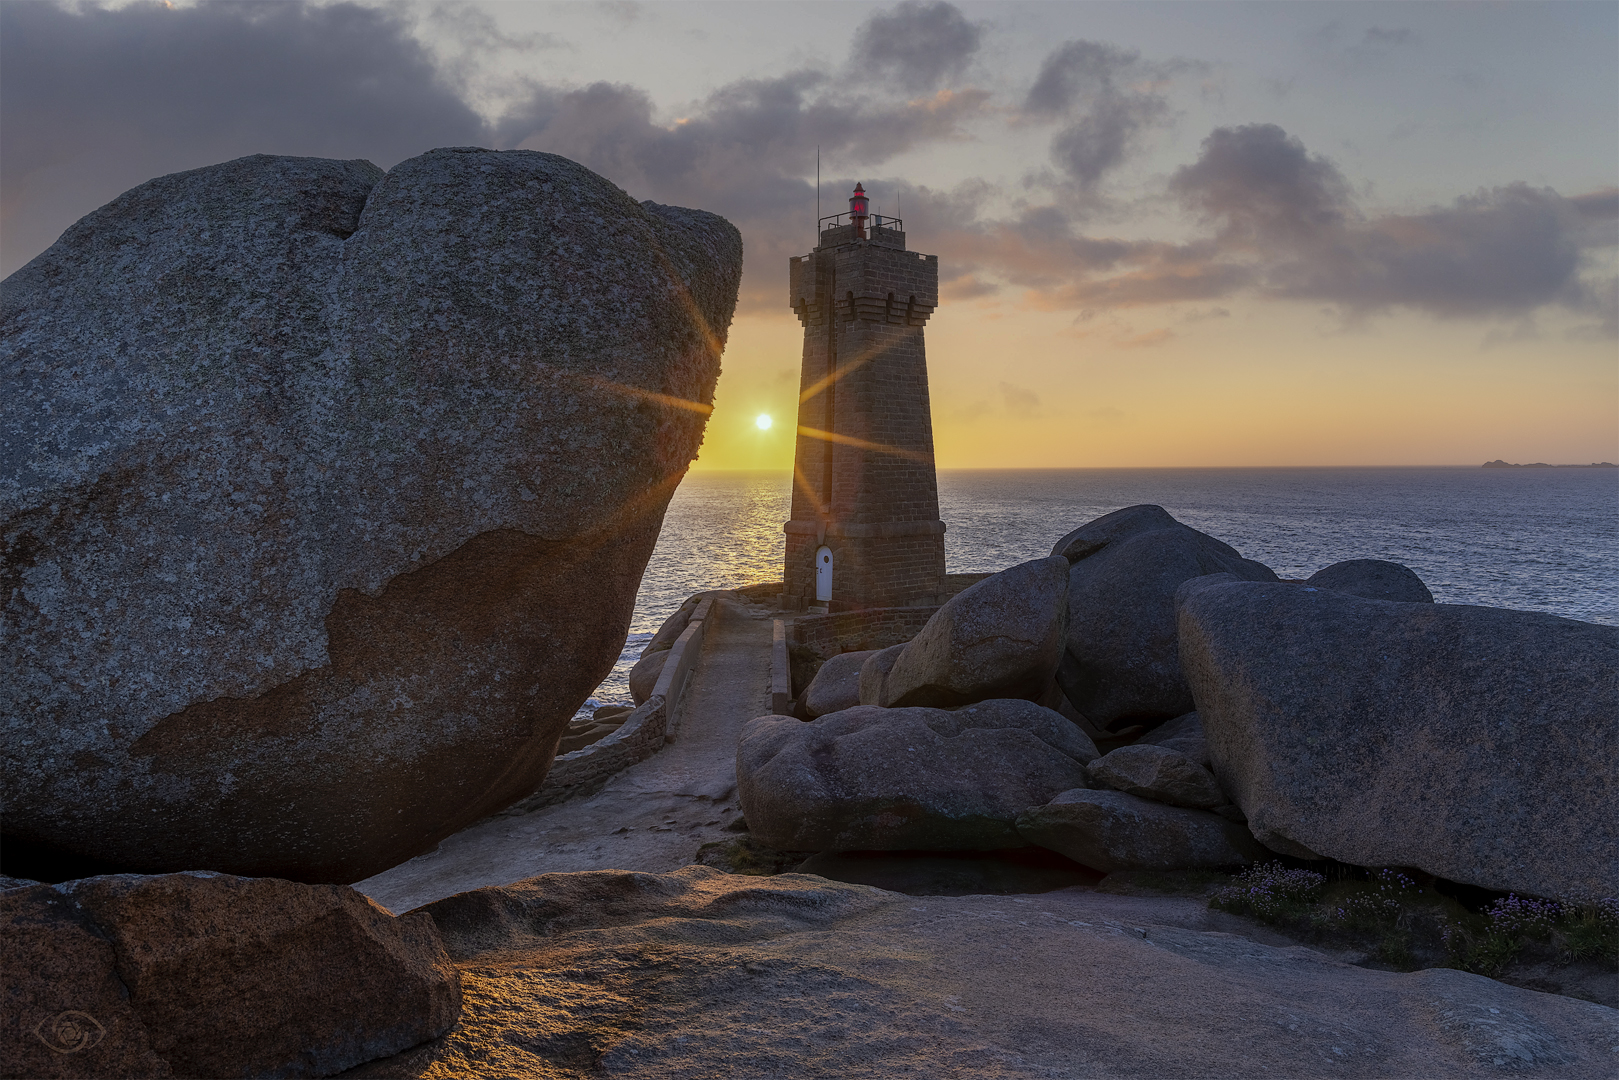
(1499, 464)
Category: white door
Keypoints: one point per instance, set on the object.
(823, 574)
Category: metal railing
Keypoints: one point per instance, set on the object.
(875, 221)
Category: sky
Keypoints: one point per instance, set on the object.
(1203, 234)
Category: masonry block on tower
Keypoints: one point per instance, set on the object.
(865, 529)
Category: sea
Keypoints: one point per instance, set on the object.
(1531, 539)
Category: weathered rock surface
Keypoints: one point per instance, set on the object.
(1478, 744)
(1111, 830)
(1158, 773)
(1373, 579)
(999, 638)
(1121, 659)
(697, 974)
(874, 673)
(325, 497)
(1185, 734)
(899, 779)
(836, 685)
(210, 975)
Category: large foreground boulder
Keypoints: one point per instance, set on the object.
(872, 779)
(325, 496)
(1112, 830)
(211, 975)
(1478, 744)
(1121, 659)
(999, 638)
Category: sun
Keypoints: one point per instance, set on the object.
(763, 421)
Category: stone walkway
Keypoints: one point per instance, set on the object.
(652, 816)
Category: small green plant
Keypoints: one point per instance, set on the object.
(1394, 949)
(1386, 914)
(1486, 944)
(1591, 931)
(1490, 956)
(1377, 908)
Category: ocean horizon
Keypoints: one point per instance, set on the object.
(1531, 539)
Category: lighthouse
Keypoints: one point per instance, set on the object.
(865, 529)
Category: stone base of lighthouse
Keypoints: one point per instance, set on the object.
(883, 564)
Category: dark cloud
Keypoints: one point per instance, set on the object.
(1077, 72)
(743, 152)
(1109, 98)
(96, 101)
(1286, 227)
(917, 46)
(1508, 249)
(1263, 186)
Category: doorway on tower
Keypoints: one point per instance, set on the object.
(823, 575)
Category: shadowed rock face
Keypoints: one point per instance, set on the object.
(1160, 773)
(1120, 659)
(1113, 830)
(212, 975)
(874, 779)
(998, 638)
(325, 495)
(837, 685)
(1476, 743)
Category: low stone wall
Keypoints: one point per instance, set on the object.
(870, 628)
(847, 631)
(781, 671)
(677, 670)
(587, 770)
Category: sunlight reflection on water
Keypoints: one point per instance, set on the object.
(1536, 540)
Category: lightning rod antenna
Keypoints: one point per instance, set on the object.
(817, 194)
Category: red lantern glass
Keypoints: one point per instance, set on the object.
(858, 202)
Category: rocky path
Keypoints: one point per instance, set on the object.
(653, 816)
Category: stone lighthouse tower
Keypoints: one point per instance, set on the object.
(865, 530)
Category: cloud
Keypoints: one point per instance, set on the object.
(1262, 186)
(94, 101)
(98, 100)
(1285, 226)
(1109, 97)
(1019, 401)
(918, 46)
(742, 152)
(1505, 250)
